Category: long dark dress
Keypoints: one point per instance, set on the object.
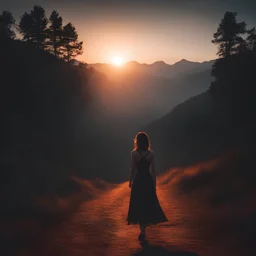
(144, 207)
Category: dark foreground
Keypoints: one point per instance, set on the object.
(98, 227)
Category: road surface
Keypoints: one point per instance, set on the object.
(99, 227)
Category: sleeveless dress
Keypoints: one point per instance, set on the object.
(144, 207)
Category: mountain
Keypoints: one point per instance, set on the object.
(185, 66)
(193, 132)
(132, 98)
(158, 68)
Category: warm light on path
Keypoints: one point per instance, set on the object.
(99, 227)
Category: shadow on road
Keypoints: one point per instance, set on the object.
(160, 251)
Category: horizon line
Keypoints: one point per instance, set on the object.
(143, 63)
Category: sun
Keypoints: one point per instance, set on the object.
(118, 61)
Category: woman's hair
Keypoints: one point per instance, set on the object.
(141, 142)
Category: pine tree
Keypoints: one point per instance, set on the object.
(228, 34)
(251, 39)
(6, 24)
(70, 46)
(33, 27)
(55, 33)
(25, 27)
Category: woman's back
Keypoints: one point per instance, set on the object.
(143, 160)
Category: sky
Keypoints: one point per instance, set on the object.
(143, 30)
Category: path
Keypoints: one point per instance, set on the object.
(99, 228)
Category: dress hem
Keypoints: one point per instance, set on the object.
(149, 223)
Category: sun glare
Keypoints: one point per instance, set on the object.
(118, 61)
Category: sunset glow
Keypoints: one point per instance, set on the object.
(118, 61)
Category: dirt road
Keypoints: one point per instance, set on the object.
(99, 228)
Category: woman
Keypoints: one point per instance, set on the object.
(144, 207)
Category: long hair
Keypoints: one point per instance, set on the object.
(141, 142)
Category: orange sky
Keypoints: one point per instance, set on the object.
(143, 30)
(145, 45)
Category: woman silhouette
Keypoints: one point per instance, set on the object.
(144, 207)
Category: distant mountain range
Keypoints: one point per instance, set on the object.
(159, 68)
(137, 94)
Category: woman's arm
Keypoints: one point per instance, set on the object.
(133, 169)
(153, 169)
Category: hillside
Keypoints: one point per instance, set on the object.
(44, 104)
(136, 98)
(195, 131)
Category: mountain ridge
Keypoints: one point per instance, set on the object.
(158, 68)
(155, 62)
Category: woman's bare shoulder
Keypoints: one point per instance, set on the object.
(134, 153)
(151, 152)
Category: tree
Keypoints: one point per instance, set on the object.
(241, 47)
(251, 39)
(83, 65)
(6, 23)
(33, 27)
(55, 33)
(228, 34)
(25, 27)
(70, 46)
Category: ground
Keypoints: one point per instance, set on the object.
(98, 227)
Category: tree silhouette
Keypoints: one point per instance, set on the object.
(70, 46)
(7, 21)
(56, 39)
(33, 27)
(228, 34)
(25, 27)
(242, 46)
(234, 84)
(55, 33)
(251, 39)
